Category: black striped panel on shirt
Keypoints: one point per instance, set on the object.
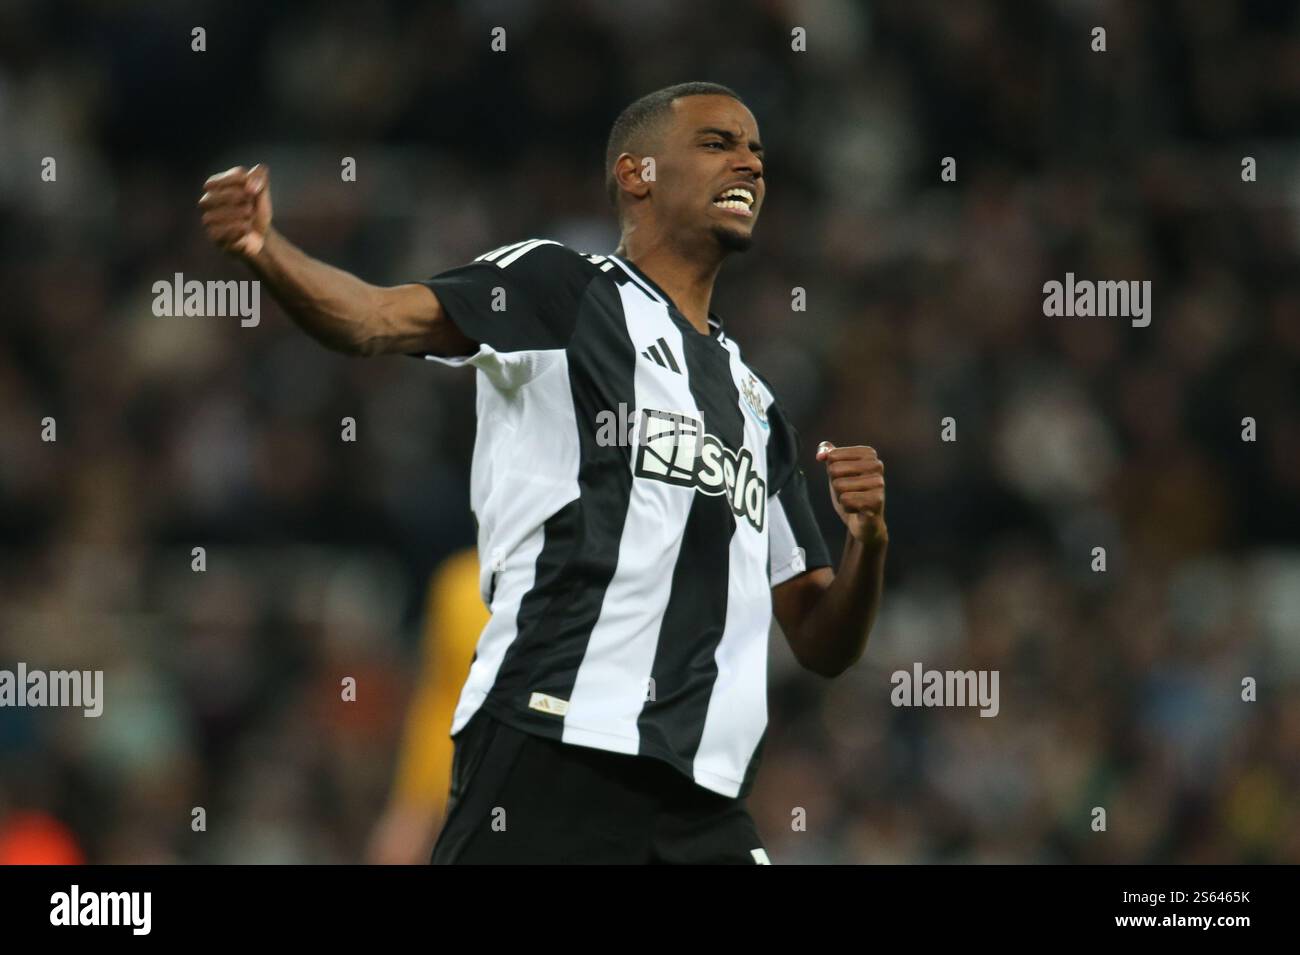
(684, 669)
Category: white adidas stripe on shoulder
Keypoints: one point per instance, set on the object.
(501, 250)
(507, 254)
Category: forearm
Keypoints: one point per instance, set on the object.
(835, 629)
(335, 307)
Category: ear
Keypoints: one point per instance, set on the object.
(628, 175)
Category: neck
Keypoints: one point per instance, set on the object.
(687, 276)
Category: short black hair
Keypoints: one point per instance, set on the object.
(642, 116)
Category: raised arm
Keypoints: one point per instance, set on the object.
(335, 307)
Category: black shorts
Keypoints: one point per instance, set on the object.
(520, 798)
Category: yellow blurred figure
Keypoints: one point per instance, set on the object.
(454, 617)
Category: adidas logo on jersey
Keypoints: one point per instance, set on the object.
(675, 449)
(548, 704)
(662, 355)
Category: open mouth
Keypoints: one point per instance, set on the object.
(737, 199)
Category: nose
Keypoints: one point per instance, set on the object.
(749, 161)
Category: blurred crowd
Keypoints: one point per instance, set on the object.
(1120, 689)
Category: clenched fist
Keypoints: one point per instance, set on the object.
(857, 480)
(236, 208)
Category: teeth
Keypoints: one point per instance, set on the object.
(736, 204)
(743, 194)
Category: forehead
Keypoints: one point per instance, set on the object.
(690, 113)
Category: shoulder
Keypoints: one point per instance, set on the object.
(546, 275)
(539, 258)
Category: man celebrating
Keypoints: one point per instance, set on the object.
(617, 702)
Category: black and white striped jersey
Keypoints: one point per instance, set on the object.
(638, 494)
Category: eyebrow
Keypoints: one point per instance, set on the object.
(729, 136)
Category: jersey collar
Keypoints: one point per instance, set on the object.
(715, 323)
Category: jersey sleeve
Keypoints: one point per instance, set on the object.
(795, 541)
(515, 302)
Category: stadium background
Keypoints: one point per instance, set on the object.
(1119, 689)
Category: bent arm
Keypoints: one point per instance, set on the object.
(827, 616)
(350, 315)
